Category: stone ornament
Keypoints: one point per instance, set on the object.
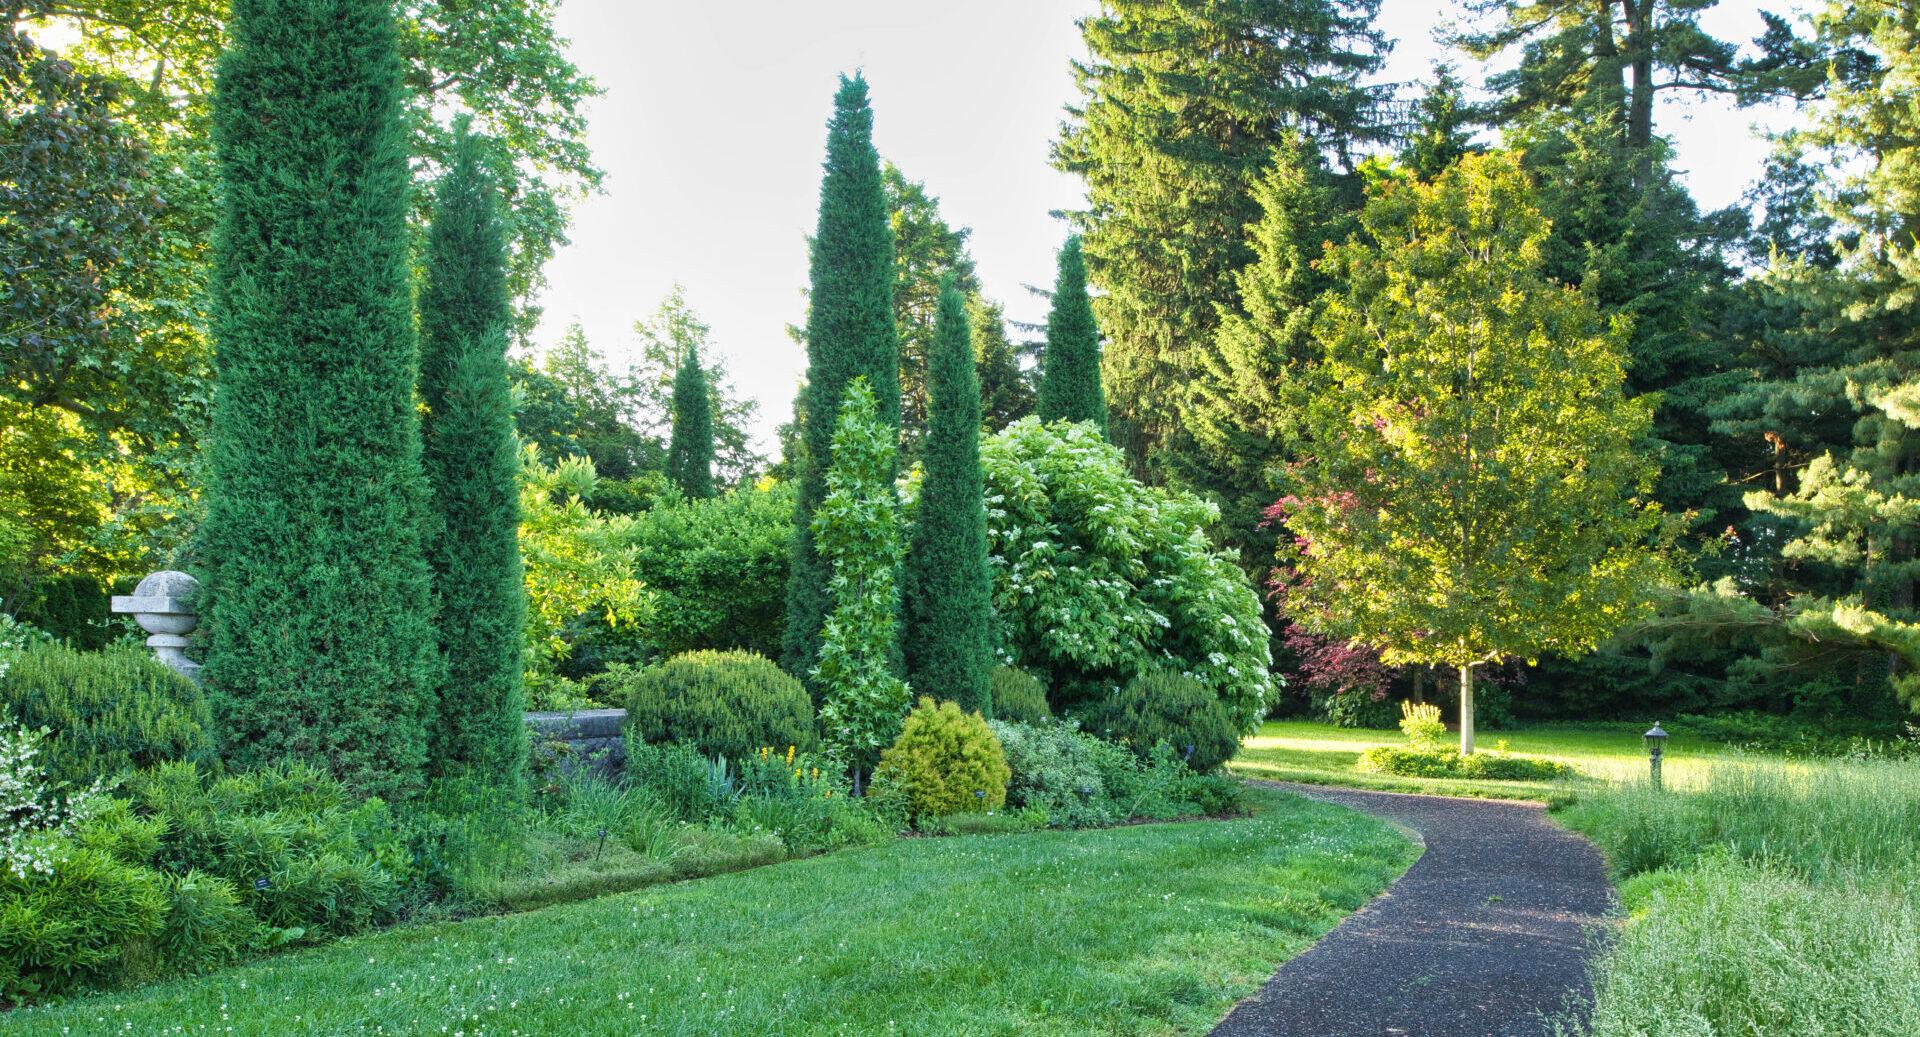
(163, 606)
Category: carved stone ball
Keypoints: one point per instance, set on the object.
(166, 594)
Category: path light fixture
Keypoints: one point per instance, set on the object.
(1656, 740)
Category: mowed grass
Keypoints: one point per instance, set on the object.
(1150, 929)
(1322, 754)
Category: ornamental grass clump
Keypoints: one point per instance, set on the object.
(944, 762)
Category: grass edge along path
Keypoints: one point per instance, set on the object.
(1138, 930)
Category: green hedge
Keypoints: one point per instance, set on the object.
(107, 712)
(726, 704)
(1163, 706)
(1448, 763)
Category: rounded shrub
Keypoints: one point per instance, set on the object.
(945, 762)
(723, 703)
(1018, 696)
(88, 922)
(1163, 706)
(108, 712)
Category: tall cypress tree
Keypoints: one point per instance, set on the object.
(1070, 369)
(850, 334)
(320, 641)
(949, 596)
(472, 466)
(690, 448)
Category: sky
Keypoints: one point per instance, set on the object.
(712, 129)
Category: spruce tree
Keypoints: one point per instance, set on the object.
(690, 450)
(472, 465)
(1070, 369)
(1006, 393)
(949, 595)
(850, 334)
(320, 645)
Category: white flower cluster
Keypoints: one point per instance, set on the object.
(35, 817)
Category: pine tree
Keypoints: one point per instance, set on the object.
(320, 645)
(850, 334)
(471, 458)
(1440, 136)
(1182, 105)
(1070, 387)
(949, 595)
(1006, 394)
(690, 451)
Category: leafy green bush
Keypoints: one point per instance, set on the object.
(693, 786)
(87, 922)
(718, 569)
(726, 704)
(207, 924)
(1098, 577)
(1420, 722)
(1018, 696)
(304, 851)
(1448, 763)
(1055, 768)
(108, 712)
(1160, 705)
(945, 762)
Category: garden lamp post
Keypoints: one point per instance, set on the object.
(1656, 746)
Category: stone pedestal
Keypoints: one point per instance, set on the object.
(163, 606)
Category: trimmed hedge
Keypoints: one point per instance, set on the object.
(107, 712)
(1448, 763)
(1163, 706)
(723, 703)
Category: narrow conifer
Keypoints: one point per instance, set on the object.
(949, 599)
(1070, 368)
(690, 447)
(472, 467)
(850, 334)
(320, 643)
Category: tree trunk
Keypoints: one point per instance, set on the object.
(1420, 684)
(1640, 106)
(1466, 711)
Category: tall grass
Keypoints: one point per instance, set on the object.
(1765, 897)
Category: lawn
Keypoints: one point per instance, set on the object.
(1148, 929)
(1322, 754)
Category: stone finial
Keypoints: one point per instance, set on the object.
(163, 606)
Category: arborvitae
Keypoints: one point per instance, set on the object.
(1070, 368)
(690, 449)
(472, 466)
(949, 594)
(850, 333)
(320, 641)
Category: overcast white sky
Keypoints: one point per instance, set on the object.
(713, 127)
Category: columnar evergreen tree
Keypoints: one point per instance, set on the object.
(850, 334)
(1182, 105)
(926, 252)
(1006, 395)
(857, 528)
(1473, 489)
(690, 451)
(472, 467)
(320, 641)
(1070, 388)
(949, 595)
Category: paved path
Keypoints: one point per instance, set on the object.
(1486, 935)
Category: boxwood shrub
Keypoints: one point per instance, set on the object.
(727, 704)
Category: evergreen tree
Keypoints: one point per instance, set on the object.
(665, 339)
(1472, 491)
(949, 596)
(472, 464)
(1248, 402)
(320, 645)
(1006, 395)
(850, 334)
(1070, 387)
(1181, 106)
(926, 252)
(1440, 119)
(690, 451)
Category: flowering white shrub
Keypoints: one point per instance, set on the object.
(36, 815)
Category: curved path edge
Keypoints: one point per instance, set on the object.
(1488, 934)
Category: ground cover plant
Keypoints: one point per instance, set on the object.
(1763, 896)
(1150, 929)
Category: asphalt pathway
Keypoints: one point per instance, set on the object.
(1487, 935)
